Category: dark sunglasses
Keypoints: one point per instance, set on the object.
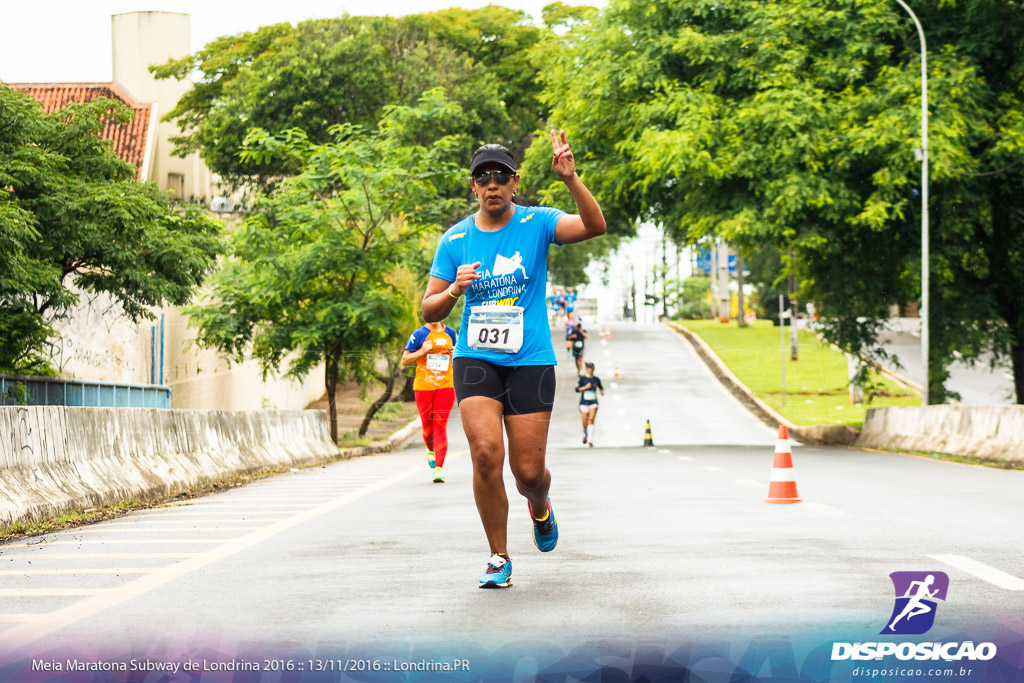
(483, 178)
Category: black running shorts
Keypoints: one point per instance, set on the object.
(522, 389)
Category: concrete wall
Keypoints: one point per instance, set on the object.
(57, 458)
(987, 432)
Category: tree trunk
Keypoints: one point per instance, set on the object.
(407, 395)
(389, 387)
(741, 313)
(331, 384)
(1017, 363)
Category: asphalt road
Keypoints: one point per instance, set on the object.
(670, 542)
(979, 384)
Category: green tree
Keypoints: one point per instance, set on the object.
(315, 272)
(326, 72)
(793, 124)
(72, 213)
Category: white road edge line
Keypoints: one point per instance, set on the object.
(996, 577)
(18, 637)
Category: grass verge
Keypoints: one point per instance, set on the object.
(816, 385)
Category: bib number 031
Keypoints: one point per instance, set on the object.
(496, 328)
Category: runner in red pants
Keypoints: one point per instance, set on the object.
(430, 347)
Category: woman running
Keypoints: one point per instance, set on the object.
(588, 386)
(430, 347)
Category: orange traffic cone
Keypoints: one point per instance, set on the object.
(617, 372)
(607, 334)
(783, 486)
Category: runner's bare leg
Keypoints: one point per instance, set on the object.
(481, 420)
(527, 447)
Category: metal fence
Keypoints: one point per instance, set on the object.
(60, 391)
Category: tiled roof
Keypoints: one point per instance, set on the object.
(129, 138)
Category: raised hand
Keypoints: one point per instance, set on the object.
(563, 162)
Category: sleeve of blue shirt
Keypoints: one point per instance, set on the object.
(416, 340)
(445, 266)
(451, 333)
(549, 216)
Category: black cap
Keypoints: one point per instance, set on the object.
(492, 154)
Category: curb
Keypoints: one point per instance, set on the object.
(396, 441)
(817, 435)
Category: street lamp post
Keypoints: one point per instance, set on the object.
(924, 200)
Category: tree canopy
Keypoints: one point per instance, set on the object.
(315, 274)
(72, 213)
(794, 124)
(326, 72)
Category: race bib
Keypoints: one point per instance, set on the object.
(578, 344)
(437, 362)
(589, 395)
(495, 328)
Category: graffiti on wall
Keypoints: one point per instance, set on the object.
(96, 340)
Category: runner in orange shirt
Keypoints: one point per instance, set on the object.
(430, 347)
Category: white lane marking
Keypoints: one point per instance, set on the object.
(684, 458)
(99, 556)
(129, 541)
(662, 450)
(16, 638)
(56, 572)
(712, 468)
(49, 592)
(996, 577)
(751, 484)
(826, 510)
(131, 528)
(216, 512)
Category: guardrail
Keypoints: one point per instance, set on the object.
(62, 391)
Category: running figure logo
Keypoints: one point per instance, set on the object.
(916, 593)
(504, 265)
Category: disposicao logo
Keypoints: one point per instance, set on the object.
(916, 595)
(913, 613)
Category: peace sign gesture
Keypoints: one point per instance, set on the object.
(563, 162)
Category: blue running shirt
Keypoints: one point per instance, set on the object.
(514, 269)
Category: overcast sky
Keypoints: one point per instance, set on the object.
(69, 40)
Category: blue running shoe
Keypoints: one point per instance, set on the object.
(430, 459)
(545, 533)
(498, 573)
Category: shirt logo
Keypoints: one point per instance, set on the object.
(456, 236)
(528, 217)
(916, 595)
(504, 265)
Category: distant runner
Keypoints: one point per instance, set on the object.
(504, 360)
(430, 348)
(577, 340)
(588, 386)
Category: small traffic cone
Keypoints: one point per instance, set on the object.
(648, 441)
(783, 486)
(618, 373)
(607, 334)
